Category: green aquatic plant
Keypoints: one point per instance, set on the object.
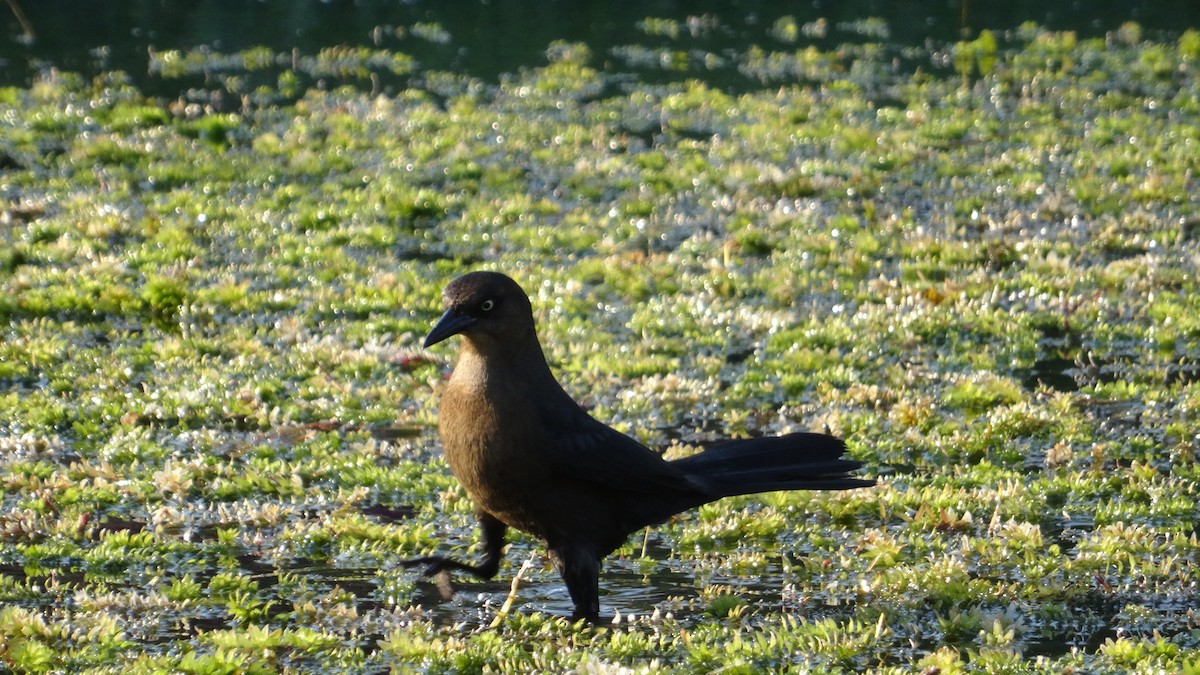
(211, 380)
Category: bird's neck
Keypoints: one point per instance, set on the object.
(486, 359)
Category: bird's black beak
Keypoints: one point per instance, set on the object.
(452, 323)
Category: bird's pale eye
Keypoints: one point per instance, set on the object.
(487, 305)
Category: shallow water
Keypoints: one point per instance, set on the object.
(476, 37)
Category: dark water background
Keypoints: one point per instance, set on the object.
(491, 37)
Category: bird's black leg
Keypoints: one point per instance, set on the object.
(493, 550)
(580, 568)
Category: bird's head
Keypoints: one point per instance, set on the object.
(483, 307)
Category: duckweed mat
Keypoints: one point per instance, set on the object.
(977, 262)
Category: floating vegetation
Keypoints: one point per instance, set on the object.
(975, 261)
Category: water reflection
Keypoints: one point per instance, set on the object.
(487, 39)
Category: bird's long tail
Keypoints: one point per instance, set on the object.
(799, 461)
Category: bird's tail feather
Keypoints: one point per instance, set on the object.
(799, 461)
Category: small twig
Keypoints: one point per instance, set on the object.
(25, 25)
(512, 591)
(441, 580)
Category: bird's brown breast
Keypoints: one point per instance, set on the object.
(492, 440)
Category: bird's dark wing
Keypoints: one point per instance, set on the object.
(590, 451)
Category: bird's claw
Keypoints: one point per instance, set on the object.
(432, 564)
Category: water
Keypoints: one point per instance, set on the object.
(486, 38)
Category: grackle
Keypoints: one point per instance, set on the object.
(532, 459)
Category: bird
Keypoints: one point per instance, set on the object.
(532, 459)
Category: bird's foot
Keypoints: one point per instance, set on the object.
(432, 565)
(435, 564)
(592, 618)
